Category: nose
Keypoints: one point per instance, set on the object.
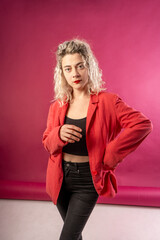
(75, 73)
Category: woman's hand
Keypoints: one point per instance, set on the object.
(70, 133)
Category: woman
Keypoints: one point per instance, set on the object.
(82, 137)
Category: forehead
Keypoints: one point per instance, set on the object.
(71, 59)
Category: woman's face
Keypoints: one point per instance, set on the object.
(74, 71)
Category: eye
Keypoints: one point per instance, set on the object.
(67, 69)
(81, 66)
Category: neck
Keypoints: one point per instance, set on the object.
(80, 95)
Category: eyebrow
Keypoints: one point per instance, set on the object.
(75, 65)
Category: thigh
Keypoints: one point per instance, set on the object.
(79, 209)
(62, 202)
(62, 205)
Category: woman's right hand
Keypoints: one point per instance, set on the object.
(70, 133)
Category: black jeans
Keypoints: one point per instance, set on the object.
(76, 200)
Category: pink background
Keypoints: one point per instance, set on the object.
(125, 37)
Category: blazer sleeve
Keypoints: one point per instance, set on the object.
(51, 138)
(136, 126)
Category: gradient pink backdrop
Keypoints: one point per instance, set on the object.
(125, 37)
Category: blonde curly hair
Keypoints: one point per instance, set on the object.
(62, 90)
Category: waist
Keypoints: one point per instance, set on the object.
(75, 165)
(74, 158)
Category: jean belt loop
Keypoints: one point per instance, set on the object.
(66, 172)
(67, 169)
(77, 168)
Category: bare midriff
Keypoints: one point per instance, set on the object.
(74, 158)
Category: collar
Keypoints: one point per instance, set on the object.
(94, 98)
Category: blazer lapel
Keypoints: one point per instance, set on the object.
(91, 109)
(62, 113)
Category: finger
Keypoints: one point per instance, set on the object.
(68, 140)
(71, 136)
(74, 127)
(73, 132)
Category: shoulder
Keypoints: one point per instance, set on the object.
(109, 97)
(54, 106)
(57, 104)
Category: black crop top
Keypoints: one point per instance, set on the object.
(77, 148)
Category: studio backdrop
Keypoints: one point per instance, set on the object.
(125, 38)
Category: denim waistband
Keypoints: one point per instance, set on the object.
(78, 164)
(79, 167)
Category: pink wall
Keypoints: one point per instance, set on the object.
(125, 38)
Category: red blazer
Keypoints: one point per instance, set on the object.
(107, 115)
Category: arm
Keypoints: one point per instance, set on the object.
(136, 127)
(51, 138)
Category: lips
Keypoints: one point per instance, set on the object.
(77, 81)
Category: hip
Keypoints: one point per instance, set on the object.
(77, 177)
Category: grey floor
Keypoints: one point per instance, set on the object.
(40, 220)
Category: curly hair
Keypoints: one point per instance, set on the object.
(62, 90)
